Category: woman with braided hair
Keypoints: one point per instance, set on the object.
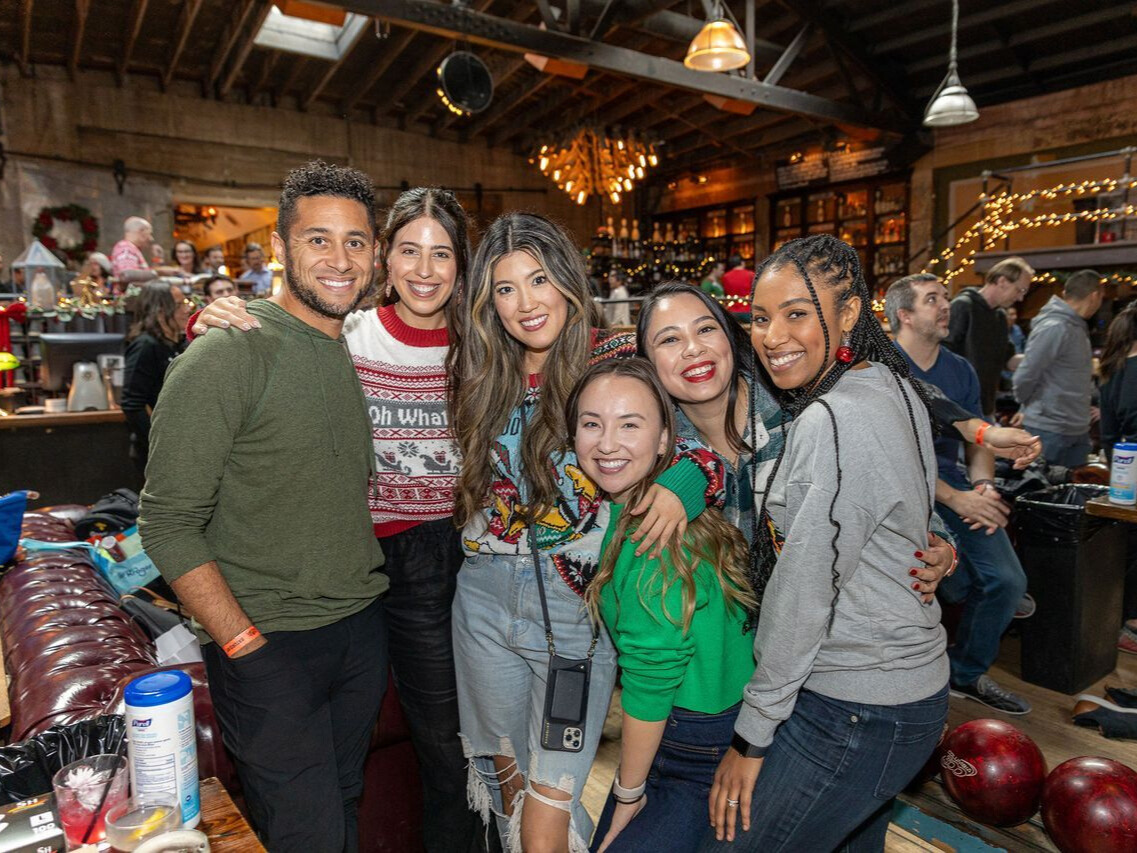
(850, 694)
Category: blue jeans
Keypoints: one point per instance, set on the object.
(989, 583)
(501, 661)
(678, 785)
(831, 774)
(1069, 451)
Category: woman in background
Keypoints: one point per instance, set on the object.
(160, 314)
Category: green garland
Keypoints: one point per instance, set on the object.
(88, 226)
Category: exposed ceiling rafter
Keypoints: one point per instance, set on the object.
(185, 27)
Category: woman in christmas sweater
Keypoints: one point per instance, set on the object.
(529, 333)
(400, 351)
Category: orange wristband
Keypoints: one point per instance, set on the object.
(979, 433)
(241, 640)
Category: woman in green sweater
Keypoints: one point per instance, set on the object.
(677, 621)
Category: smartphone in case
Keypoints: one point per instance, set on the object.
(566, 702)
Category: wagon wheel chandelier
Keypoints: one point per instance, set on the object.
(587, 162)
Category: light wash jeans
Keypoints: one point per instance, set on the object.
(1069, 451)
(502, 661)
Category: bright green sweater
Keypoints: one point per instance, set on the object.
(260, 457)
(703, 669)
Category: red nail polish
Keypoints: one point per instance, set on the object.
(919, 555)
(915, 586)
(912, 572)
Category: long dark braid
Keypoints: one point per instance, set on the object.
(836, 264)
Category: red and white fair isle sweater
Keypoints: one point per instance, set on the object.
(403, 373)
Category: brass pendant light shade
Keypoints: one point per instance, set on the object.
(718, 46)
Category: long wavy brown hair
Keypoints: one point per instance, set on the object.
(488, 364)
(709, 538)
(1119, 340)
(154, 311)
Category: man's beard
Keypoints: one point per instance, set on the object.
(309, 297)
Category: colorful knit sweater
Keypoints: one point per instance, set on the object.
(403, 373)
(571, 532)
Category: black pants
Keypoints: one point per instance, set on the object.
(423, 565)
(297, 716)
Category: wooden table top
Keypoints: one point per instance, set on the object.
(1101, 506)
(227, 829)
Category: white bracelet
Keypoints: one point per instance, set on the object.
(627, 796)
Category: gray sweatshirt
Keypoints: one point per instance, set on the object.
(886, 647)
(1054, 382)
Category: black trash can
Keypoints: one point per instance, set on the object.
(1075, 568)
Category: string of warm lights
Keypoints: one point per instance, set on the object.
(590, 162)
(997, 222)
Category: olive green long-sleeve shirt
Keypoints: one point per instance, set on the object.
(260, 459)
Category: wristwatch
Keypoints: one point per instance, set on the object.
(745, 748)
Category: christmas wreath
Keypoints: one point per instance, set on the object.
(86, 227)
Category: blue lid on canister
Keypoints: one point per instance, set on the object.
(158, 688)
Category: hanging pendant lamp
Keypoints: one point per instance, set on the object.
(951, 105)
(718, 46)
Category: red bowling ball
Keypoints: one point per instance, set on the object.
(1090, 804)
(993, 771)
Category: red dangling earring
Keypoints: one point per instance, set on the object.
(845, 352)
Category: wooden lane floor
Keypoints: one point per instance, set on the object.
(1048, 725)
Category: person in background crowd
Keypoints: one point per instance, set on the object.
(128, 257)
(712, 284)
(400, 351)
(1017, 337)
(157, 255)
(618, 313)
(1054, 383)
(97, 267)
(214, 261)
(154, 340)
(676, 621)
(850, 693)
(185, 259)
(1118, 375)
(990, 582)
(978, 328)
(292, 615)
(255, 270)
(736, 284)
(218, 287)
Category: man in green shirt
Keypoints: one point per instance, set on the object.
(712, 284)
(260, 457)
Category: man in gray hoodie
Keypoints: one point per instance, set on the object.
(1054, 382)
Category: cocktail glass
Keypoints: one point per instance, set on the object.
(85, 790)
(142, 816)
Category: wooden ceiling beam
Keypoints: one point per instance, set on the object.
(78, 30)
(538, 126)
(22, 58)
(990, 13)
(502, 106)
(479, 28)
(298, 65)
(236, 26)
(246, 46)
(272, 57)
(136, 18)
(185, 26)
(331, 70)
(393, 48)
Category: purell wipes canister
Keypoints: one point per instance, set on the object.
(1123, 474)
(161, 743)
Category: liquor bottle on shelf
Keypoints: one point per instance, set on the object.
(656, 238)
(787, 217)
(611, 228)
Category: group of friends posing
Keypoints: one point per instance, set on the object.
(737, 524)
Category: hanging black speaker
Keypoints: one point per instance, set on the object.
(466, 86)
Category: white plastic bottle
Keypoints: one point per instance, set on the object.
(1123, 474)
(161, 739)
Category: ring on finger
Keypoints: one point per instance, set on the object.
(732, 803)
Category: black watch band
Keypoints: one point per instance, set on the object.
(745, 748)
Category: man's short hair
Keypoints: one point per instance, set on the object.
(901, 296)
(1011, 269)
(318, 178)
(733, 261)
(216, 248)
(253, 247)
(134, 223)
(209, 282)
(1081, 284)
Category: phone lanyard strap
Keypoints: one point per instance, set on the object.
(537, 559)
